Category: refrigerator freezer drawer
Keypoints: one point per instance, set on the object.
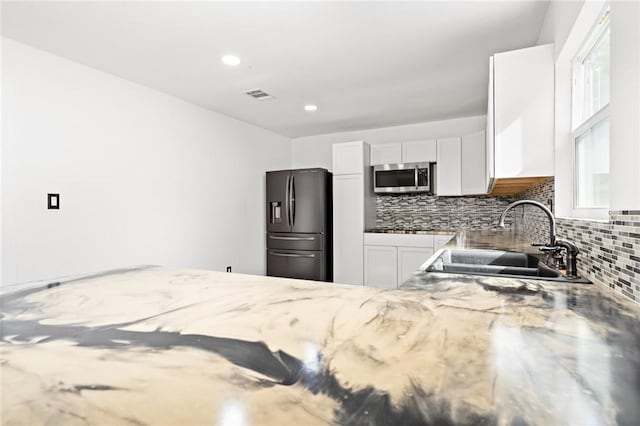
(305, 265)
(293, 241)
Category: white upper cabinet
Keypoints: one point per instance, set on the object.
(422, 151)
(419, 151)
(350, 158)
(448, 174)
(462, 162)
(388, 153)
(474, 176)
(523, 112)
(490, 153)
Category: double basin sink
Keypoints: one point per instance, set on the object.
(496, 263)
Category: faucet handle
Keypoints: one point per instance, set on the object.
(539, 245)
(554, 254)
(549, 249)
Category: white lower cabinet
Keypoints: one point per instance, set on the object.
(381, 266)
(439, 241)
(391, 259)
(410, 259)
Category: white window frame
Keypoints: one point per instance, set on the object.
(601, 25)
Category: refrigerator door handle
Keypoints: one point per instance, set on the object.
(292, 201)
(275, 253)
(287, 198)
(292, 238)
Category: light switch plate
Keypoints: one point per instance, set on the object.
(53, 201)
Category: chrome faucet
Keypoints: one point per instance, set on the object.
(545, 209)
(556, 245)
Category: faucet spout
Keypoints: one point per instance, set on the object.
(556, 245)
(545, 209)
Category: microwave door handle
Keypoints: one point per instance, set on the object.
(415, 177)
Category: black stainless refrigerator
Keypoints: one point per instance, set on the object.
(299, 224)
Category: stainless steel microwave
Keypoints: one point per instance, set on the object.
(405, 177)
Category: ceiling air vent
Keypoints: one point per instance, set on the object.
(258, 94)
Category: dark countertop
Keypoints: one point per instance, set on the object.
(156, 346)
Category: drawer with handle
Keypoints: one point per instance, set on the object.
(306, 265)
(291, 241)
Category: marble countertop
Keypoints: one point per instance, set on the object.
(410, 231)
(496, 239)
(192, 347)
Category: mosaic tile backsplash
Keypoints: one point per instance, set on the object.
(531, 219)
(609, 251)
(426, 212)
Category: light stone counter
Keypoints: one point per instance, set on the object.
(500, 239)
(189, 347)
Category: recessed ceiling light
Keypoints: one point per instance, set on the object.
(230, 60)
(310, 107)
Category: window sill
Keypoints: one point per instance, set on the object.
(585, 219)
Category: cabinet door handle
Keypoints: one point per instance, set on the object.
(292, 238)
(273, 253)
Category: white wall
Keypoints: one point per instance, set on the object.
(144, 178)
(568, 28)
(571, 31)
(1, 149)
(315, 151)
(558, 22)
(625, 106)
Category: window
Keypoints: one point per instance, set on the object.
(591, 119)
(592, 167)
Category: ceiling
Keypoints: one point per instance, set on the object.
(364, 65)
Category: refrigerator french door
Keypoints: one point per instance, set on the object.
(299, 224)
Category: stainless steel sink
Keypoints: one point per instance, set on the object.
(496, 263)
